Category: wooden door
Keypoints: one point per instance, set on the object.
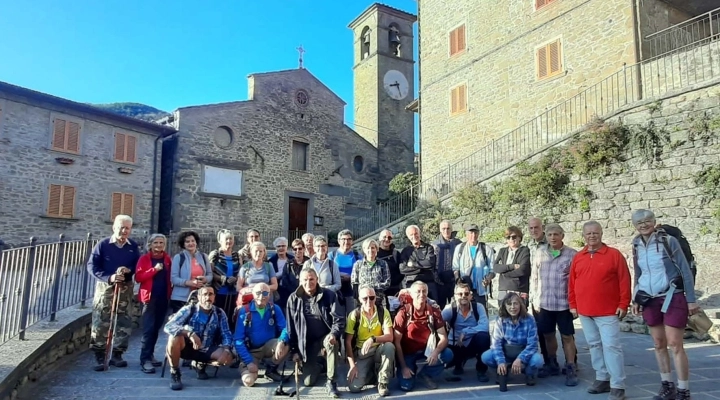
(297, 217)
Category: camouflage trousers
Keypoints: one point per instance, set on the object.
(101, 317)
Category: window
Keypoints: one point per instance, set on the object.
(66, 136)
(549, 60)
(457, 40)
(125, 148)
(394, 40)
(122, 203)
(61, 201)
(358, 163)
(365, 43)
(458, 99)
(299, 156)
(223, 137)
(542, 3)
(222, 181)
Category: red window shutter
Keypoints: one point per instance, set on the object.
(119, 146)
(461, 38)
(68, 202)
(116, 205)
(73, 137)
(540, 3)
(554, 64)
(58, 141)
(127, 204)
(542, 66)
(130, 149)
(54, 199)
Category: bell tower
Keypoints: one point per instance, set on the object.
(384, 85)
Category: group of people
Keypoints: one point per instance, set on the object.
(408, 313)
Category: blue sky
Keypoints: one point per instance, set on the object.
(169, 54)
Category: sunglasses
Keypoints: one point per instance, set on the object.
(513, 237)
(298, 248)
(371, 298)
(465, 294)
(263, 293)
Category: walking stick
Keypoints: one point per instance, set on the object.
(297, 380)
(280, 391)
(113, 321)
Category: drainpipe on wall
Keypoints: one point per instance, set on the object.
(419, 42)
(155, 179)
(637, 32)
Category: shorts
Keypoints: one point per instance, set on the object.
(547, 320)
(676, 315)
(189, 353)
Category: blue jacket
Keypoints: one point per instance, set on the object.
(261, 330)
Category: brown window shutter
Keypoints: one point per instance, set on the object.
(542, 62)
(116, 205)
(58, 141)
(461, 38)
(54, 198)
(454, 100)
(462, 98)
(119, 146)
(73, 137)
(68, 202)
(127, 204)
(453, 42)
(554, 50)
(540, 3)
(131, 149)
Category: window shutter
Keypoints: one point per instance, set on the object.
(58, 141)
(554, 50)
(462, 98)
(54, 198)
(119, 146)
(453, 42)
(73, 137)
(540, 3)
(453, 101)
(460, 38)
(127, 204)
(116, 205)
(131, 148)
(542, 62)
(68, 201)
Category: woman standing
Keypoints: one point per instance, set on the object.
(190, 270)
(665, 294)
(256, 271)
(251, 236)
(153, 275)
(371, 272)
(225, 266)
(327, 271)
(514, 343)
(290, 279)
(513, 265)
(280, 259)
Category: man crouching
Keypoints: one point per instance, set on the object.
(198, 332)
(260, 333)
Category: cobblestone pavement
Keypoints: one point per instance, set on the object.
(74, 379)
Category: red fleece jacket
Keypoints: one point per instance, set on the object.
(599, 282)
(146, 271)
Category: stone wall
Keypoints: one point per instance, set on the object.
(28, 166)
(499, 66)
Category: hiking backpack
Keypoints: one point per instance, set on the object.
(381, 319)
(684, 245)
(248, 320)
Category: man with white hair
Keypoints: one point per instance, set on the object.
(391, 255)
(418, 262)
(113, 262)
(308, 239)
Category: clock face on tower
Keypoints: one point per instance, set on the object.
(395, 84)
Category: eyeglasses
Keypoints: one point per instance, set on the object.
(298, 248)
(513, 237)
(345, 239)
(264, 293)
(281, 245)
(464, 294)
(387, 238)
(371, 298)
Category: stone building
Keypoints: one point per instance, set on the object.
(284, 161)
(69, 168)
(486, 70)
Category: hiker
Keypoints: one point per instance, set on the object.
(369, 271)
(190, 270)
(473, 265)
(225, 264)
(345, 258)
(391, 255)
(512, 264)
(468, 330)
(419, 263)
(514, 346)
(257, 270)
(260, 333)
(113, 262)
(315, 324)
(420, 340)
(198, 332)
(370, 329)
(665, 295)
(444, 247)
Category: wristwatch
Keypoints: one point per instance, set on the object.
(374, 339)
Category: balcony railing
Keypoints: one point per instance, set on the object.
(703, 28)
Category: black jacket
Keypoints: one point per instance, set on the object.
(217, 259)
(517, 280)
(424, 263)
(289, 281)
(330, 311)
(392, 259)
(444, 250)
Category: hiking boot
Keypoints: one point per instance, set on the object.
(544, 372)
(428, 381)
(668, 391)
(273, 374)
(200, 371)
(482, 376)
(117, 360)
(186, 363)
(155, 363)
(332, 389)
(175, 381)
(530, 379)
(502, 382)
(99, 361)
(617, 394)
(458, 370)
(553, 368)
(683, 394)
(383, 389)
(599, 387)
(147, 367)
(571, 378)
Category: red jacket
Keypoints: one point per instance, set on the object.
(145, 273)
(599, 283)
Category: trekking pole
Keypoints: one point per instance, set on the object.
(113, 321)
(280, 391)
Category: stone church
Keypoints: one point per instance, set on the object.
(284, 161)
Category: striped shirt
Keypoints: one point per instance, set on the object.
(554, 274)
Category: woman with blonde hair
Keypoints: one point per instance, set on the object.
(225, 266)
(255, 271)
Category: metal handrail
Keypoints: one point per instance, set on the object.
(682, 24)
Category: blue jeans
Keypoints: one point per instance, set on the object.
(432, 371)
(536, 362)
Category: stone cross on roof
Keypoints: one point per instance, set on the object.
(301, 51)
